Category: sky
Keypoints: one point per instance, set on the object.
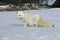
(50, 2)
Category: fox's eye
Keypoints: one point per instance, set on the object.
(22, 15)
(19, 15)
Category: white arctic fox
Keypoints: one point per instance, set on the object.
(33, 20)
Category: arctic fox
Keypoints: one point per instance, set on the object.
(33, 20)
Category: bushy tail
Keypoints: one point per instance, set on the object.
(46, 24)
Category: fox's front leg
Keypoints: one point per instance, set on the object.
(25, 25)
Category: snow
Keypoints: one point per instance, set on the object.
(12, 29)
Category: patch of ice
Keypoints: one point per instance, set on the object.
(33, 33)
(5, 38)
(21, 36)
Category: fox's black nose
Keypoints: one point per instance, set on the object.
(52, 25)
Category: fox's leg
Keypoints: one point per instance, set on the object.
(37, 22)
(36, 25)
(25, 25)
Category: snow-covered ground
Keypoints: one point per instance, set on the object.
(12, 29)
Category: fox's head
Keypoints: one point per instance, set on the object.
(20, 14)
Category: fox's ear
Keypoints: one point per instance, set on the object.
(18, 11)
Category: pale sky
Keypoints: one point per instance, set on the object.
(50, 2)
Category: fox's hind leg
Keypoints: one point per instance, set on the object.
(35, 25)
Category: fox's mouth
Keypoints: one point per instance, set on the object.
(21, 17)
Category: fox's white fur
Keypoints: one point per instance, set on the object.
(33, 19)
